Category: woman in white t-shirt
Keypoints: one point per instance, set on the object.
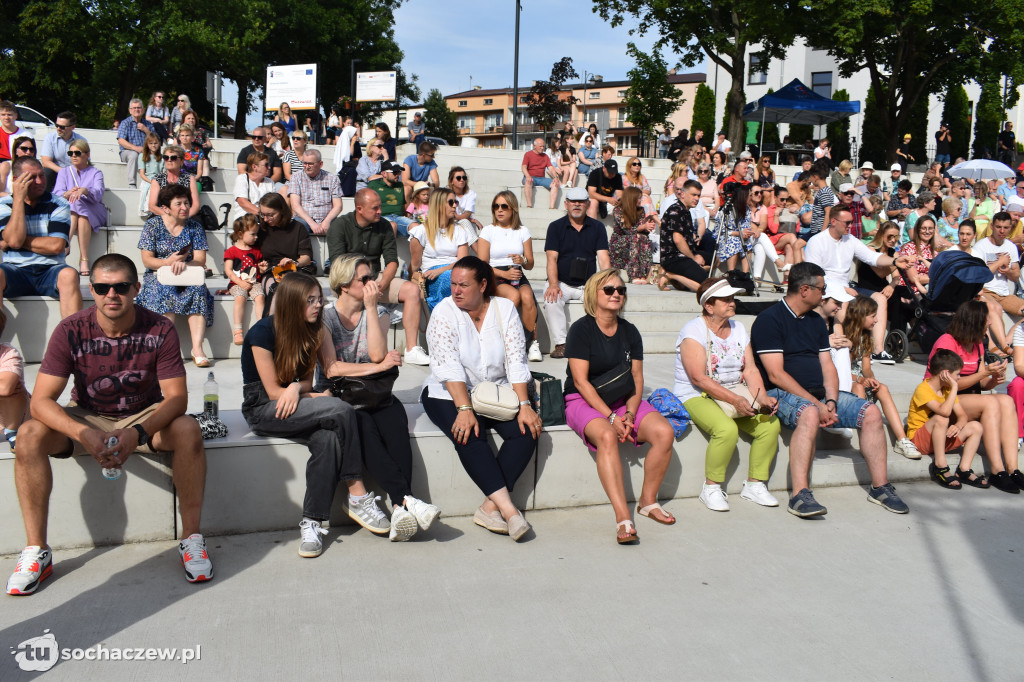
(435, 245)
(507, 247)
(458, 183)
(714, 360)
(251, 186)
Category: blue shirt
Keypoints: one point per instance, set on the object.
(128, 130)
(49, 217)
(1007, 191)
(417, 172)
(798, 339)
(56, 148)
(572, 245)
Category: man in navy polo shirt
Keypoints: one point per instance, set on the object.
(576, 247)
(791, 350)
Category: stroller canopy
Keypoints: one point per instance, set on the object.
(955, 277)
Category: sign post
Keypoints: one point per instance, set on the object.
(213, 86)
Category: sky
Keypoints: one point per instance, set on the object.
(478, 47)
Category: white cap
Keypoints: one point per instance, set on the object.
(837, 292)
(868, 165)
(719, 289)
(895, 166)
(845, 187)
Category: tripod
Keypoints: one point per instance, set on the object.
(721, 234)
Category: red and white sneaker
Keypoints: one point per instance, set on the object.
(198, 566)
(35, 564)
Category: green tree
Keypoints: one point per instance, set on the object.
(873, 136)
(704, 111)
(719, 31)
(771, 131)
(838, 133)
(800, 133)
(989, 115)
(650, 99)
(956, 112)
(917, 126)
(547, 102)
(439, 119)
(911, 49)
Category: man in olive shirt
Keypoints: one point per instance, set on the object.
(365, 232)
(392, 197)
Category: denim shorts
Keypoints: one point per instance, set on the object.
(31, 280)
(402, 223)
(849, 408)
(540, 182)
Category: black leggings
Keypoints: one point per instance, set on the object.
(387, 453)
(490, 473)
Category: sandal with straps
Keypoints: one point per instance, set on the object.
(972, 479)
(944, 478)
(630, 537)
(650, 510)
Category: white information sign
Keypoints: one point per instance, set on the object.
(376, 86)
(291, 83)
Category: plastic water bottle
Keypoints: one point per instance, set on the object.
(211, 397)
(112, 474)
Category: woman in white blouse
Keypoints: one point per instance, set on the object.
(435, 245)
(458, 182)
(251, 186)
(506, 246)
(475, 336)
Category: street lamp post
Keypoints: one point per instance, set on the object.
(515, 84)
(588, 78)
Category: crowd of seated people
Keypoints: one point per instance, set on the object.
(470, 283)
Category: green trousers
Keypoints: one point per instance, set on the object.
(724, 433)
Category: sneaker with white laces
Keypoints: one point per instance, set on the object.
(403, 525)
(906, 447)
(311, 545)
(883, 358)
(535, 355)
(417, 356)
(365, 511)
(424, 512)
(197, 564)
(757, 491)
(35, 564)
(714, 498)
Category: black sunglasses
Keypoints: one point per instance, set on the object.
(609, 290)
(364, 279)
(32, 150)
(638, 165)
(60, 127)
(298, 137)
(170, 157)
(256, 137)
(457, 177)
(120, 288)
(453, 202)
(500, 207)
(75, 152)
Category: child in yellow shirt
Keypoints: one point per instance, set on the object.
(932, 428)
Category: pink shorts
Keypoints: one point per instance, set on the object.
(579, 413)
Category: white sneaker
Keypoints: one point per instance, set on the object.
(906, 447)
(311, 545)
(534, 355)
(757, 491)
(417, 356)
(714, 498)
(365, 511)
(403, 525)
(424, 512)
(194, 559)
(839, 431)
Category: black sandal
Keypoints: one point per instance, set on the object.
(972, 479)
(943, 477)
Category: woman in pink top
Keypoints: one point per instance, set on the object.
(996, 411)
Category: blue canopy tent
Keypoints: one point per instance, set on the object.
(796, 103)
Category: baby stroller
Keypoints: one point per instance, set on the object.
(954, 277)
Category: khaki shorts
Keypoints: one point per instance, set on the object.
(391, 295)
(105, 424)
(1011, 304)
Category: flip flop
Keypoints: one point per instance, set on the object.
(631, 536)
(649, 510)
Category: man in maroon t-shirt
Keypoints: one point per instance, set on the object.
(537, 170)
(129, 383)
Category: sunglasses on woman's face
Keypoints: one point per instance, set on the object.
(609, 290)
(170, 157)
(298, 137)
(32, 150)
(453, 202)
(500, 207)
(73, 152)
(635, 165)
(459, 178)
(364, 279)
(755, 194)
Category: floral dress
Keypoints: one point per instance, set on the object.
(630, 249)
(161, 298)
(910, 249)
(732, 245)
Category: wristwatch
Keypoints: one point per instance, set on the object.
(143, 436)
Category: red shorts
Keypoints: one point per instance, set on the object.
(923, 441)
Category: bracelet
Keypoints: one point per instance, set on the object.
(611, 419)
(826, 401)
(525, 402)
(463, 408)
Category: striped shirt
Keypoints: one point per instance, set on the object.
(49, 217)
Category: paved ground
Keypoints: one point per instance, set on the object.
(755, 593)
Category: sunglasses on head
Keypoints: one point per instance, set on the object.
(453, 202)
(120, 288)
(500, 207)
(609, 290)
(170, 157)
